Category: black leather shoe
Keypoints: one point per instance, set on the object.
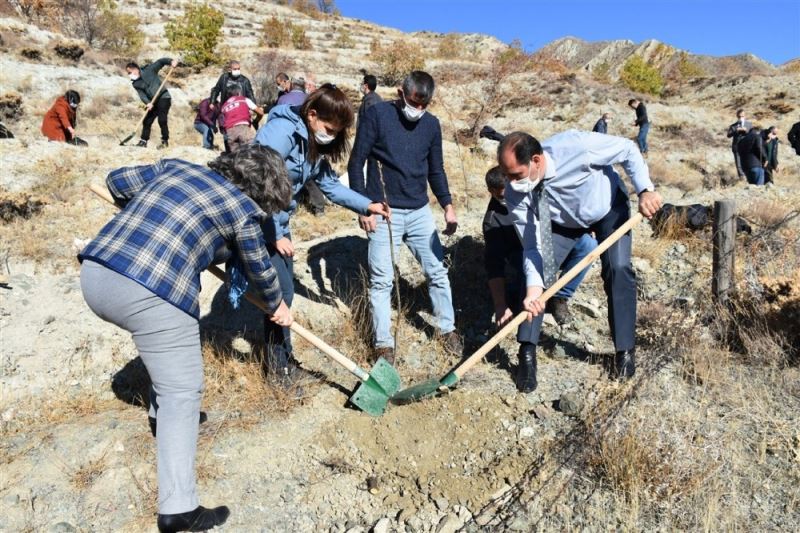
(559, 308)
(526, 370)
(153, 423)
(200, 519)
(625, 364)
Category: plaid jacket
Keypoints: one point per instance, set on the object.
(177, 219)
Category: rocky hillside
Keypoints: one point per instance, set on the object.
(704, 438)
(578, 54)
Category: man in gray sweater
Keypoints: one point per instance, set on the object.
(147, 82)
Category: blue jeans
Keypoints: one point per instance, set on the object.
(206, 132)
(755, 176)
(278, 338)
(582, 248)
(642, 137)
(416, 228)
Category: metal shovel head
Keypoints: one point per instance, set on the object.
(126, 139)
(372, 395)
(425, 389)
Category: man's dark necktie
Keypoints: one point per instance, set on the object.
(546, 235)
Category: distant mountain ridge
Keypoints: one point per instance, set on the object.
(610, 56)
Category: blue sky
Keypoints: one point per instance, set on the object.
(769, 29)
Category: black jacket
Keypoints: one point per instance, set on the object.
(368, 101)
(641, 115)
(794, 137)
(751, 150)
(226, 83)
(771, 153)
(735, 134)
(601, 126)
(149, 82)
(502, 245)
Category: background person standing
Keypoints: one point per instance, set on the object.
(642, 121)
(146, 82)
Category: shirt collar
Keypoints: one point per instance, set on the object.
(550, 167)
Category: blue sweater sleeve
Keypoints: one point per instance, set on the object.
(339, 194)
(436, 175)
(365, 140)
(274, 134)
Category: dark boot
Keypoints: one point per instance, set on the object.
(200, 519)
(385, 352)
(142, 144)
(164, 144)
(154, 423)
(625, 364)
(526, 370)
(559, 308)
(285, 371)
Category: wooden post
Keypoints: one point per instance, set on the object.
(724, 235)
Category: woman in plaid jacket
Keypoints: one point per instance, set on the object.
(142, 273)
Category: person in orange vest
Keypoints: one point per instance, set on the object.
(60, 120)
(236, 119)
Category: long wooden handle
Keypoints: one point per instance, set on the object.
(155, 96)
(318, 343)
(546, 295)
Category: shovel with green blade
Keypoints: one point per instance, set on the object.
(377, 385)
(433, 386)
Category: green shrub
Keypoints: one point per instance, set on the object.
(344, 39)
(196, 34)
(274, 33)
(688, 68)
(602, 72)
(119, 33)
(641, 77)
(397, 60)
(299, 38)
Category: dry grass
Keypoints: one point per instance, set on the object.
(83, 477)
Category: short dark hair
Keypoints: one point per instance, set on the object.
(73, 97)
(370, 81)
(233, 62)
(282, 76)
(132, 64)
(331, 105)
(495, 178)
(524, 145)
(235, 90)
(739, 112)
(260, 173)
(632, 101)
(421, 84)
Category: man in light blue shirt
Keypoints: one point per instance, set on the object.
(585, 194)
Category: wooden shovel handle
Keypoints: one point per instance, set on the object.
(546, 295)
(318, 343)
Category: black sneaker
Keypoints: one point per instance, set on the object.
(559, 308)
(201, 519)
(453, 344)
(141, 144)
(164, 144)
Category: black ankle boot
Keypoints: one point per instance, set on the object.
(200, 519)
(526, 370)
(154, 423)
(625, 364)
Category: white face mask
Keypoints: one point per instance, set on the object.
(133, 76)
(412, 113)
(524, 185)
(74, 106)
(235, 73)
(323, 138)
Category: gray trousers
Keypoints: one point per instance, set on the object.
(168, 341)
(619, 278)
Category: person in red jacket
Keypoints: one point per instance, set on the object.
(60, 120)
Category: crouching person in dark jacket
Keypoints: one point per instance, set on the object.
(146, 82)
(142, 273)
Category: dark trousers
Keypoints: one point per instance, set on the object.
(619, 279)
(313, 197)
(277, 338)
(160, 110)
(738, 160)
